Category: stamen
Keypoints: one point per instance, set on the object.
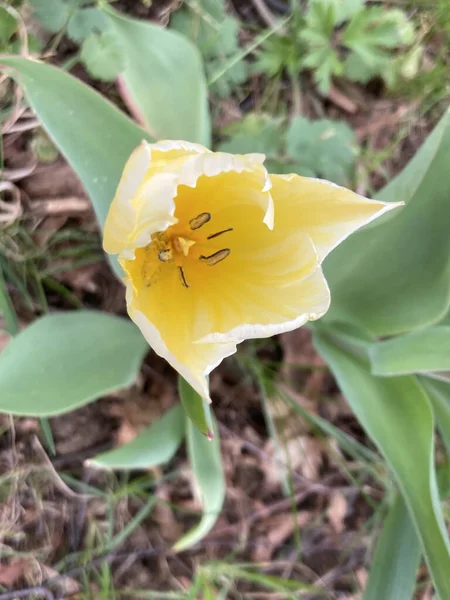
(182, 245)
(214, 235)
(182, 277)
(165, 255)
(199, 221)
(215, 258)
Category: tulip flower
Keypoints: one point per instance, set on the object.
(215, 250)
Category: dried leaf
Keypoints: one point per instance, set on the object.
(12, 572)
(337, 511)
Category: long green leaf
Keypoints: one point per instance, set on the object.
(395, 277)
(397, 415)
(415, 352)
(165, 78)
(394, 566)
(154, 446)
(208, 475)
(439, 395)
(197, 409)
(63, 361)
(6, 307)
(94, 136)
(271, 582)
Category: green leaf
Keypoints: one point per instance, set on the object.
(397, 415)
(370, 32)
(393, 570)
(373, 28)
(415, 352)
(248, 573)
(254, 133)
(325, 64)
(84, 22)
(395, 276)
(215, 34)
(439, 395)
(357, 69)
(319, 53)
(321, 18)
(325, 148)
(53, 14)
(232, 76)
(155, 445)
(204, 455)
(103, 56)
(212, 36)
(345, 9)
(94, 136)
(197, 409)
(7, 308)
(8, 25)
(164, 76)
(277, 53)
(63, 361)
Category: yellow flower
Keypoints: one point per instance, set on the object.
(215, 250)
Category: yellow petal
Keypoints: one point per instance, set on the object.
(219, 181)
(254, 292)
(258, 290)
(122, 215)
(144, 203)
(246, 282)
(326, 212)
(172, 149)
(165, 317)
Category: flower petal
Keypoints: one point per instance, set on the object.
(326, 212)
(171, 149)
(144, 203)
(215, 164)
(311, 296)
(121, 217)
(265, 286)
(154, 209)
(168, 330)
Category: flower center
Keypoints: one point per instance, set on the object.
(175, 244)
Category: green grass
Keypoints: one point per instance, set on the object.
(31, 270)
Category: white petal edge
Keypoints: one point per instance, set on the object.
(168, 145)
(385, 207)
(153, 337)
(134, 172)
(252, 331)
(155, 210)
(121, 215)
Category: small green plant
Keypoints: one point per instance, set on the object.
(87, 26)
(9, 27)
(345, 39)
(215, 33)
(320, 148)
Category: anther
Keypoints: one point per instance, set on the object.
(165, 255)
(214, 235)
(200, 220)
(215, 258)
(182, 277)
